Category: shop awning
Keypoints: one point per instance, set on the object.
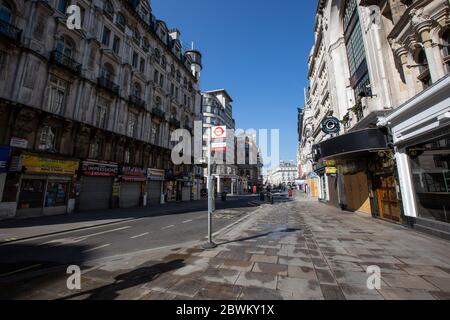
(358, 142)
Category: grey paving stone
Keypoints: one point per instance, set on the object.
(298, 262)
(426, 271)
(266, 259)
(441, 283)
(301, 273)
(259, 280)
(270, 268)
(408, 282)
(301, 289)
(260, 294)
(221, 276)
(405, 294)
(353, 292)
(325, 276)
(331, 292)
(237, 265)
(216, 291)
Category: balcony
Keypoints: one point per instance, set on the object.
(66, 62)
(137, 101)
(108, 85)
(158, 113)
(174, 122)
(10, 32)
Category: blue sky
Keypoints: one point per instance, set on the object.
(255, 49)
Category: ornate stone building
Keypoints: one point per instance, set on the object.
(369, 59)
(107, 96)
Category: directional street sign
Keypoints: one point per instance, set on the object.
(219, 146)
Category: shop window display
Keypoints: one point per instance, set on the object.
(430, 164)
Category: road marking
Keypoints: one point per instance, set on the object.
(168, 227)
(187, 221)
(140, 235)
(100, 233)
(20, 270)
(97, 248)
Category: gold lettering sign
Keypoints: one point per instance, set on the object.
(39, 164)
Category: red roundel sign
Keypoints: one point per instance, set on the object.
(219, 132)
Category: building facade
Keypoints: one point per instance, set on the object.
(377, 56)
(87, 115)
(284, 175)
(217, 110)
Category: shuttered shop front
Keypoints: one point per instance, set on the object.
(130, 194)
(132, 180)
(95, 193)
(154, 187)
(96, 185)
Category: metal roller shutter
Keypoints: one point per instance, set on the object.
(95, 193)
(154, 193)
(130, 193)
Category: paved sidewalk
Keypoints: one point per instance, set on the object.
(300, 250)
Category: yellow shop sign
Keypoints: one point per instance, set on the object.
(35, 163)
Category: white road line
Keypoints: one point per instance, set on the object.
(20, 270)
(97, 248)
(140, 235)
(168, 227)
(187, 221)
(100, 233)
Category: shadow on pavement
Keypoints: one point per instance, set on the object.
(128, 280)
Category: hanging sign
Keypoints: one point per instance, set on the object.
(331, 125)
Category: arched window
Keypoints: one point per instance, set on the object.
(145, 44)
(120, 21)
(137, 90)
(136, 36)
(172, 70)
(446, 47)
(163, 61)
(356, 54)
(178, 76)
(5, 12)
(424, 70)
(108, 10)
(65, 46)
(108, 72)
(157, 55)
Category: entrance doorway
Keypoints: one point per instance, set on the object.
(387, 198)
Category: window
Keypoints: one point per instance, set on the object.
(106, 36)
(5, 12)
(446, 47)
(154, 138)
(178, 76)
(62, 6)
(142, 65)
(135, 60)
(155, 77)
(157, 55)
(172, 89)
(101, 117)
(31, 194)
(65, 47)
(96, 148)
(137, 90)
(120, 21)
(136, 36)
(161, 80)
(116, 45)
(145, 44)
(56, 95)
(424, 71)
(356, 54)
(107, 72)
(108, 10)
(132, 124)
(47, 139)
